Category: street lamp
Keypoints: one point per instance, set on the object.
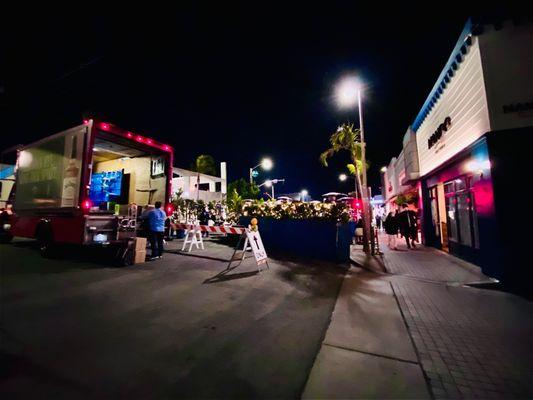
(266, 164)
(348, 94)
(343, 177)
(303, 194)
(271, 183)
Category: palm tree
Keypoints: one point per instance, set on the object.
(205, 164)
(346, 138)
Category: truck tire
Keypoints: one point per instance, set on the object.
(45, 240)
(6, 238)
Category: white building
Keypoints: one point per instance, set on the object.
(196, 186)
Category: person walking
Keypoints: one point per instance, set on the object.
(156, 220)
(391, 229)
(408, 226)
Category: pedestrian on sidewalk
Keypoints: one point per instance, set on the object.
(391, 229)
(156, 220)
(408, 225)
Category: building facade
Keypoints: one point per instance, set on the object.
(470, 137)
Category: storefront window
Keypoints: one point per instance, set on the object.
(461, 213)
(463, 216)
(434, 210)
(451, 211)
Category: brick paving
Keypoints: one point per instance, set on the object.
(472, 343)
(429, 264)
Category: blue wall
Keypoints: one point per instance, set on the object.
(322, 240)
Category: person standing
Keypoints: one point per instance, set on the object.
(391, 229)
(156, 220)
(408, 226)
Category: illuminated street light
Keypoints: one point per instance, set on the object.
(266, 164)
(271, 183)
(383, 169)
(303, 194)
(343, 177)
(348, 94)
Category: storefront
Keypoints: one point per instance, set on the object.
(468, 141)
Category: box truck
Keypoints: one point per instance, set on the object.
(88, 186)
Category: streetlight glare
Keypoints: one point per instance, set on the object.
(268, 183)
(346, 92)
(267, 164)
(342, 177)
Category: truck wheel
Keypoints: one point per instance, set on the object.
(47, 249)
(6, 238)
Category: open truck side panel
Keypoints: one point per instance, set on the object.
(87, 185)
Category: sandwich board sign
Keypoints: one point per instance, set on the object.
(255, 242)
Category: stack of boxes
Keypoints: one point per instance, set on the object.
(140, 250)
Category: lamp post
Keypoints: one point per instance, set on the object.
(344, 177)
(266, 164)
(270, 183)
(348, 94)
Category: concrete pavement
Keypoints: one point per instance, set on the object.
(180, 328)
(72, 328)
(367, 351)
(468, 342)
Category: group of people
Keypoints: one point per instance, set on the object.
(404, 222)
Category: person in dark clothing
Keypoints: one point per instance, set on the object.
(204, 220)
(391, 229)
(408, 226)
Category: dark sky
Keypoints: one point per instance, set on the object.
(238, 84)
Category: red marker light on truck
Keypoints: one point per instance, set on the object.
(149, 141)
(139, 138)
(166, 147)
(87, 204)
(170, 210)
(105, 126)
(85, 121)
(129, 134)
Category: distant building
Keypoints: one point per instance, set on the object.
(196, 186)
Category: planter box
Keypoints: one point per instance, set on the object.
(323, 240)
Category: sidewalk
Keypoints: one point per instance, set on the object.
(413, 330)
(427, 263)
(367, 351)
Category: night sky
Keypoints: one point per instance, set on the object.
(238, 84)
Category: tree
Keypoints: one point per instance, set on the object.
(346, 138)
(244, 189)
(205, 164)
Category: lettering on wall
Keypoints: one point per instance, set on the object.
(437, 135)
(517, 107)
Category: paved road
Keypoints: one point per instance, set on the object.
(73, 329)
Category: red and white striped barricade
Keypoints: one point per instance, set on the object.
(252, 240)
